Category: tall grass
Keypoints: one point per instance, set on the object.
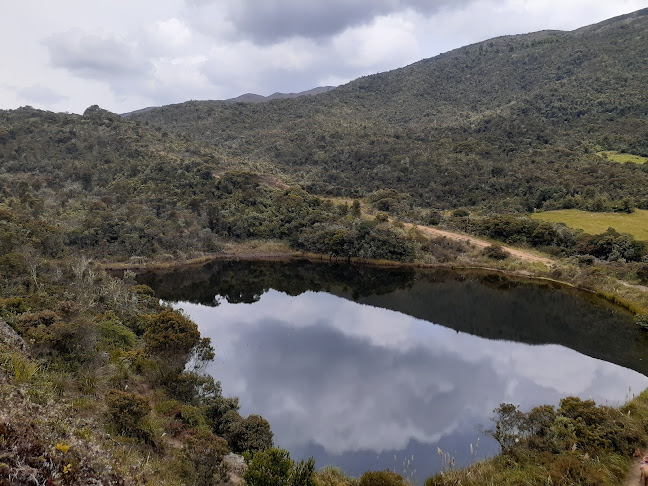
(19, 366)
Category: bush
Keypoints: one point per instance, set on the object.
(114, 335)
(202, 459)
(333, 476)
(14, 305)
(496, 252)
(274, 467)
(381, 478)
(170, 334)
(251, 434)
(127, 412)
(192, 416)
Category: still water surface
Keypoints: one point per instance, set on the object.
(372, 368)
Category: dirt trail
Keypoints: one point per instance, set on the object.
(435, 232)
(634, 474)
(520, 254)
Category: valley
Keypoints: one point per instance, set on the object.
(484, 209)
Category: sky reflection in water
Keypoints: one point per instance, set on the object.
(364, 388)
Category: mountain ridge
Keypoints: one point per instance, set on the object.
(440, 128)
(251, 98)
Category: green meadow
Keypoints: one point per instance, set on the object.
(622, 158)
(635, 223)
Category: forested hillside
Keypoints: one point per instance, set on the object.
(110, 188)
(510, 124)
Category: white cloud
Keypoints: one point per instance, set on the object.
(123, 55)
(387, 41)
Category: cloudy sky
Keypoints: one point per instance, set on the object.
(66, 55)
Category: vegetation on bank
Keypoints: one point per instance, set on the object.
(576, 443)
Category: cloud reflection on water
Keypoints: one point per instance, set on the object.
(335, 375)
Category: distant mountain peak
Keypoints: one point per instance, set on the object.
(256, 98)
(251, 98)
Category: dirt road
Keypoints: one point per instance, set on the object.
(520, 254)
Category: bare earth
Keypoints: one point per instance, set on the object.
(633, 476)
(520, 254)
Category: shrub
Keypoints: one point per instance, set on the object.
(642, 321)
(382, 217)
(642, 273)
(202, 457)
(36, 319)
(127, 411)
(114, 335)
(496, 252)
(171, 334)
(381, 478)
(192, 416)
(274, 467)
(14, 305)
(460, 213)
(333, 476)
(251, 434)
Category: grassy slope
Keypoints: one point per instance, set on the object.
(635, 223)
(622, 158)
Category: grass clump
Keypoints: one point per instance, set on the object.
(19, 366)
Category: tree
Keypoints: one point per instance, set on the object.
(251, 434)
(355, 209)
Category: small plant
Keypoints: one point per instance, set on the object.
(495, 252)
(62, 447)
(642, 321)
(19, 366)
(193, 416)
(202, 459)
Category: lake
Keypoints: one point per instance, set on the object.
(369, 368)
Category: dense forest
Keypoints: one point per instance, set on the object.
(511, 124)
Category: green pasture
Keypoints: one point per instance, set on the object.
(622, 158)
(594, 223)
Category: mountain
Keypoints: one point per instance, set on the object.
(255, 98)
(252, 98)
(511, 123)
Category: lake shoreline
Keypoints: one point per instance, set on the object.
(633, 306)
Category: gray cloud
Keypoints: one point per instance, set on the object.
(92, 57)
(40, 94)
(268, 22)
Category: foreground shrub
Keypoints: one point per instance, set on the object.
(333, 476)
(127, 412)
(202, 459)
(274, 467)
(251, 434)
(381, 478)
(171, 336)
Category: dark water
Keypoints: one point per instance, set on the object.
(368, 368)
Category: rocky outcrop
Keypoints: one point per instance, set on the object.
(236, 467)
(11, 337)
